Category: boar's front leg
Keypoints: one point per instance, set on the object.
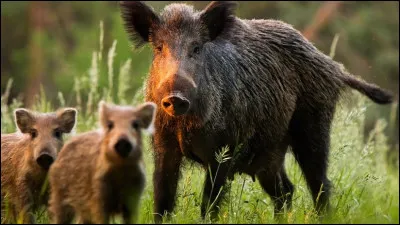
(213, 189)
(130, 208)
(166, 174)
(100, 202)
(7, 208)
(24, 206)
(24, 199)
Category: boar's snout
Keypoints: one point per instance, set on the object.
(45, 160)
(123, 147)
(175, 105)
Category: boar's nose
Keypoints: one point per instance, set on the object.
(123, 147)
(45, 160)
(175, 105)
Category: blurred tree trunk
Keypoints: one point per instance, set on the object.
(321, 18)
(37, 12)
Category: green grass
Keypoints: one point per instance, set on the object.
(365, 188)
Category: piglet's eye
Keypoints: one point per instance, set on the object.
(110, 125)
(33, 133)
(57, 133)
(135, 124)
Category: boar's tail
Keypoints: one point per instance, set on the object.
(372, 91)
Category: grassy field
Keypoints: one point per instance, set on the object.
(365, 188)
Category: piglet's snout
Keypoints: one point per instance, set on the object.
(123, 147)
(45, 160)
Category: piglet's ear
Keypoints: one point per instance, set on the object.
(145, 114)
(104, 109)
(67, 119)
(218, 16)
(24, 120)
(139, 20)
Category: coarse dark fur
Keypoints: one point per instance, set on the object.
(223, 81)
(101, 173)
(26, 156)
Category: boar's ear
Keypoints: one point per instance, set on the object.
(145, 114)
(139, 20)
(24, 120)
(217, 16)
(103, 114)
(67, 119)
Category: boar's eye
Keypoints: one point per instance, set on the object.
(33, 133)
(196, 50)
(135, 124)
(159, 48)
(110, 125)
(57, 134)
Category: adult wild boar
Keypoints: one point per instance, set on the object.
(222, 81)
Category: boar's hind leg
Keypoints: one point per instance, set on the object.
(310, 142)
(212, 194)
(165, 177)
(279, 187)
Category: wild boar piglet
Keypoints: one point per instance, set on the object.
(101, 173)
(26, 157)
